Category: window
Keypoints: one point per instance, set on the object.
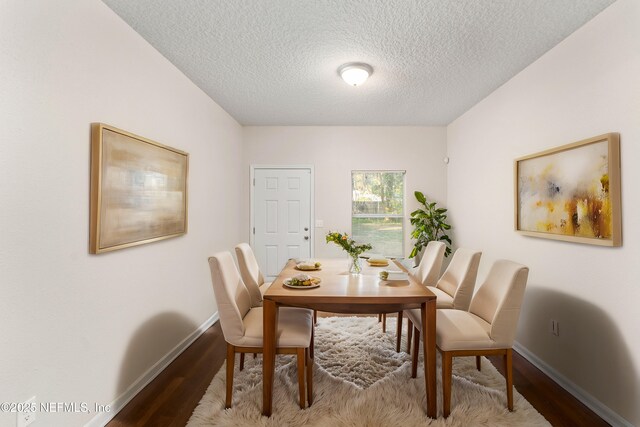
(377, 209)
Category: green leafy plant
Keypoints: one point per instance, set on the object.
(348, 244)
(429, 224)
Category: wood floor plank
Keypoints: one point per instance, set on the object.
(187, 377)
(171, 397)
(557, 405)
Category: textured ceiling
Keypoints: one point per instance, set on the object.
(274, 62)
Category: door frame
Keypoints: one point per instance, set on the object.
(312, 225)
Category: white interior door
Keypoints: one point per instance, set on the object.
(282, 217)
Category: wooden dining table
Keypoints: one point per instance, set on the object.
(341, 292)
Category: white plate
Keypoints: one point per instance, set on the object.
(397, 276)
(287, 282)
(297, 267)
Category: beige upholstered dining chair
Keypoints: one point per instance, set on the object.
(453, 290)
(250, 273)
(427, 273)
(242, 326)
(253, 278)
(430, 265)
(488, 328)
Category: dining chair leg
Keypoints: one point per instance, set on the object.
(301, 388)
(255, 355)
(409, 335)
(311, 344)
(231, 355)
(379, 317)
(447, 363)
(479, 363)
(241, 361)
(309, 377)
(508, 368)
(416, 353)
(384, 322)
(315, 317)
(399, 332)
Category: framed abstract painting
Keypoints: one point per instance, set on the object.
(571, 192)
(138, 190)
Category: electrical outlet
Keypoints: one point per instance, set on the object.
(27, 412)
(555, 327)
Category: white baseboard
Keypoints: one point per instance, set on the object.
(591, 402)
(101, 419)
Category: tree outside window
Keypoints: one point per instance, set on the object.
(377, 210)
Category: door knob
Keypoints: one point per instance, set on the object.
(306, 229)
(306, 237)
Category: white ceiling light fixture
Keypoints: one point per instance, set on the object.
(355, 73)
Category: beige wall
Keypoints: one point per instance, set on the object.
(81, 328)
(77, 327)
(588, 85)
(335, 151)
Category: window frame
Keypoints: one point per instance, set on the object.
(404, 202)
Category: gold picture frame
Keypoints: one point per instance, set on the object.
(138, 190)
(571, 193)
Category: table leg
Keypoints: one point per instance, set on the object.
(399, 331)
(428, 312)
(270, 320)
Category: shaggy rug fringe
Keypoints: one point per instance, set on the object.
(360, 380)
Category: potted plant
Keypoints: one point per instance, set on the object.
(429, 224)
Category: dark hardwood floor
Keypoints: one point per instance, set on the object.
(171, 397)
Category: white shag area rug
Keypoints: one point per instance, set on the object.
(360, 380)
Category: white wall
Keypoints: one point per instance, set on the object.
(77, 327)
(588, 85)
(335, 151)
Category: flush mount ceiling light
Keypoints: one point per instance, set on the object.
(355, 73)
